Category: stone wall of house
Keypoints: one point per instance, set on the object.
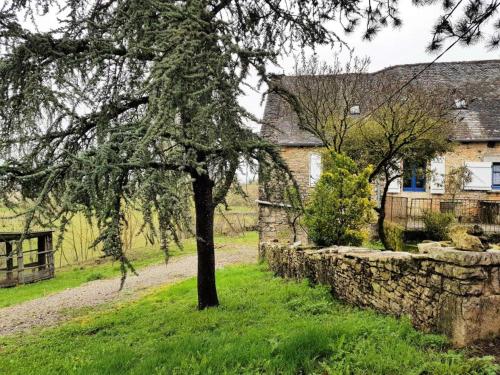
(478, 151)
(276, 224)
(274, 221)
(444, 290)
(297, 159)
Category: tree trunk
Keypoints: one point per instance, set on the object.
(381, 215)
(203, 201)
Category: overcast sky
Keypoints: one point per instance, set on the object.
(406, 45)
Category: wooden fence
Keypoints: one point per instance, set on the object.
(21, 262)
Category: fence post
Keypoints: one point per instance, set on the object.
(20, 262)
(406, 213)
(392, 207)
(50, 253)
(10, 259)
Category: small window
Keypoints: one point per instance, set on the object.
(355, 110)
(460, 104)
(314, 168)
(413, 176)
(495, 176)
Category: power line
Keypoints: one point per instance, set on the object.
(427, 66)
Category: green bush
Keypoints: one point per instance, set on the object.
(437, 224)
(340, 204)
(394, 234)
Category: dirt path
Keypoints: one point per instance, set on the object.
(47, 311)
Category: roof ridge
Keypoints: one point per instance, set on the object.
(391, 67)
(477, 78)
(460, 62)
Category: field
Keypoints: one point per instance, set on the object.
(239, 217)
(264, 325)
(70, 276)
(77, 262)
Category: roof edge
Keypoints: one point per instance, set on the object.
(476, 140)
(278, 77)
(439, 63)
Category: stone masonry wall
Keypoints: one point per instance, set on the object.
(273, 224)
(297, 159)
(445, 290)
(477, 151)
(273, 221)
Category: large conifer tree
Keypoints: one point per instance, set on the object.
(136, 100)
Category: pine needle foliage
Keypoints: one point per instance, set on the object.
(135, 102)
(126, 103)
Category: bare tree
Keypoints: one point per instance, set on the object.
(325, 96)
(413, 124)
(377, 119)
(455, 180)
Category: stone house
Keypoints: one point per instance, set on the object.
(477, 139)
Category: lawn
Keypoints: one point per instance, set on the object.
(264, 325)
(73, 276)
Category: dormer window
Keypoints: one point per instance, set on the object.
(355, 110)
(460, 104)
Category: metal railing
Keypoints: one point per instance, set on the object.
(409, 212)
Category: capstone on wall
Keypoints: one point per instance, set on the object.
(444, 290)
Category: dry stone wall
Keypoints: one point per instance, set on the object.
(443, 290)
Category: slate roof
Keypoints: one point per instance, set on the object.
(479, 80)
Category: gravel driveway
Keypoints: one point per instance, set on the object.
(47, 311)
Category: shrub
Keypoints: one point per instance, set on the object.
(340, 204)
(394, 234)
(437, 224)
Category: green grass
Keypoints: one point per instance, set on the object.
(374, 245)
(80, 235)
(264, 325)
(377, 245)
(73, 276)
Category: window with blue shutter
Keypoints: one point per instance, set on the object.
(413, 176)
(495, 175)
